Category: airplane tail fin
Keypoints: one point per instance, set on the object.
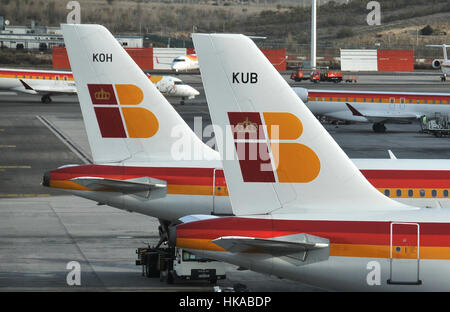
(444, 49)
(126, 117)
(281, 156)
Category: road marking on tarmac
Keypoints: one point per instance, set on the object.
(15, 167)
(7, 146)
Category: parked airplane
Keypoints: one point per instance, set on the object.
(306, 213)
(185, 63)
(133, 146)
(444, 64)
(50, 83)
(375, 107)
(44, 83)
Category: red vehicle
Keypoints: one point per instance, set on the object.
(317, 76)
(298, 75)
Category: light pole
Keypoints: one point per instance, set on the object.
(313, 33)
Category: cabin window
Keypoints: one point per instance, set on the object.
(387, 193)
(338, 99)
(440, 102)
(323, 99)
(422, 193)
(445, 193)
(418, 101)
(346, 99)
(398, 193)
(426, 102)
(354, 99)
(410, 193)
(434, 193)
(410, 101)
(364, 99)
(57, 78)
(371, 100)
(434, 102)
(317, 99)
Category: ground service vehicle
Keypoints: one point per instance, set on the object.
(439, 127)
(171, 264)
(299, 75)
(317, 76)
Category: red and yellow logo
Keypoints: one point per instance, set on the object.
(287, 161)
(118, 117)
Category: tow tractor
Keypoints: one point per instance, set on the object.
(171, 264)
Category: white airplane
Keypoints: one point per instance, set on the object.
(375, 107)
(444, 64)
(306, 212)
(50, 83)
(185, 63)
(137, 162)
(37, 82)
(172, 86)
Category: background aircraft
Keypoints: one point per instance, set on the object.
(172, 86)
(185, 63)
(375, 107)
(444, 64)
(43, 83)
(317, 220)
(50, 83)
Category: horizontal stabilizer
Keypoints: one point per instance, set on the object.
(145, 187)
(193, 218)
(277, 246)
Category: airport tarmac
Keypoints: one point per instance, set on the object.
(42, 229)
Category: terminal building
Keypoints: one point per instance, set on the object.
(44, 38)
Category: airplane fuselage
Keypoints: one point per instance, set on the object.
(387, 107)
(203, 190)
(380, 251)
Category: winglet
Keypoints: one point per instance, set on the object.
(27, 86)
(354, 111)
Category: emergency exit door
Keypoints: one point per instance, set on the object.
(405, 254)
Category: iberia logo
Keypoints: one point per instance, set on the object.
(287, 161)
(118, 117)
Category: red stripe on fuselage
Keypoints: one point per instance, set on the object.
(408, 178)
(173, 175)
(204, 176)
(36, 73)
(350, 95)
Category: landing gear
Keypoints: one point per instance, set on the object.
(46, 99)
(379, 128)
(182, 101)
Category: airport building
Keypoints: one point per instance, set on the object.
(44, 38)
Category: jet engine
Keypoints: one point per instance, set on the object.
(302, 93)
(436, 64)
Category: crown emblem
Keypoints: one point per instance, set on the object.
(102, 95)
(247, 126)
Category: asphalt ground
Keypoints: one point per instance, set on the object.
(42, 230)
